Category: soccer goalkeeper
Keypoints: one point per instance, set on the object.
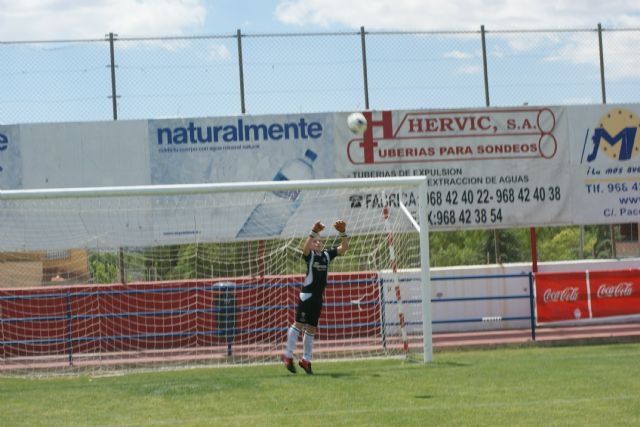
(310, 299)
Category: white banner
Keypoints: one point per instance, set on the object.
(605, 142)
(485, 168)
(240, 149)
(10, 158)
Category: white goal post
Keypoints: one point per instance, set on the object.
(208, 273)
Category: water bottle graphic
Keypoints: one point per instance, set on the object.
(271, 215)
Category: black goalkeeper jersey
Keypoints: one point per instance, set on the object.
(317, 270)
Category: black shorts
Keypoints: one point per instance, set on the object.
(308, 312)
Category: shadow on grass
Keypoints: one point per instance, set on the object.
(438, 364)
(334, 374)
(450, 365)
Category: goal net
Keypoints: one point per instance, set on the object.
(208, 273)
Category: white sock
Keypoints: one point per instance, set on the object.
(307, 343)
(292, 340)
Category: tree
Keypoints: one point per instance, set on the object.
(103, 267)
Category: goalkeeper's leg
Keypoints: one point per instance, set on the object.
(307, 342)
(292, 340)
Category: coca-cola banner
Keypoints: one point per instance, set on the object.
(614, 293)
(561, 296)
(586, 295)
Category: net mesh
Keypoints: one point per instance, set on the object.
(214, 278)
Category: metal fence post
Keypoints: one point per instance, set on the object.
(241, 71)
(484, 64)
(604, 101)
(113, 76)
(364, 68)
(602, 85)
(69, 330)
(532, 307)
(114, 103)
(496, 236)
(121, 265)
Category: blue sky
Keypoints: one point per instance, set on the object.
(69, 82)
(53, 19)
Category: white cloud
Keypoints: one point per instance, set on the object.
(495, 15)
(467, 14)
(72, 19)
(623, 49)
(218, 52)
(456, 54)
(469, 69)
(620, 50)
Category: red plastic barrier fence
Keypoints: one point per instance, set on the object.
(162, 315)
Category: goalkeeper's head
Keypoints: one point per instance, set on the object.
(317, 244)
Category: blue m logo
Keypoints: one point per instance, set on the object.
(626, 137)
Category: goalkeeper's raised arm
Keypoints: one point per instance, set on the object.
(313, 242)
(341, 227)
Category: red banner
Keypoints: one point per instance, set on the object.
(586, 295)
(614, 293)
(561, 296)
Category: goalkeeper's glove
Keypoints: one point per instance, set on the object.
(317, 228)
(341, 227)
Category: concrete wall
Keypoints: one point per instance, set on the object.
(460, 287)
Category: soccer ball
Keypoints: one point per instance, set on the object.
(357, 123)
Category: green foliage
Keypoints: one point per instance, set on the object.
(158, 262)
(103, 267)
(280, 257)
(514, 245)
(457, 248)
(478, 247)
(602, 247)
(564, 244)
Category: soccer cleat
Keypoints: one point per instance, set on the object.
(288, 363)
(306, 365)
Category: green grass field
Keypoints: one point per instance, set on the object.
(534, 386)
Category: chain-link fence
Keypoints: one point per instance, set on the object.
(220, 75)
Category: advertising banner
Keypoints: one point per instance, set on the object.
(561, 296)
(587, 295)
(485, 168)
(614, 293)
(605, 144)
(239, 149)
(10, 157)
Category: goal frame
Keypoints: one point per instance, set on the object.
(417, 182)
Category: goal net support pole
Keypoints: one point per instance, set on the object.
(396, 280)
(425, 272)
